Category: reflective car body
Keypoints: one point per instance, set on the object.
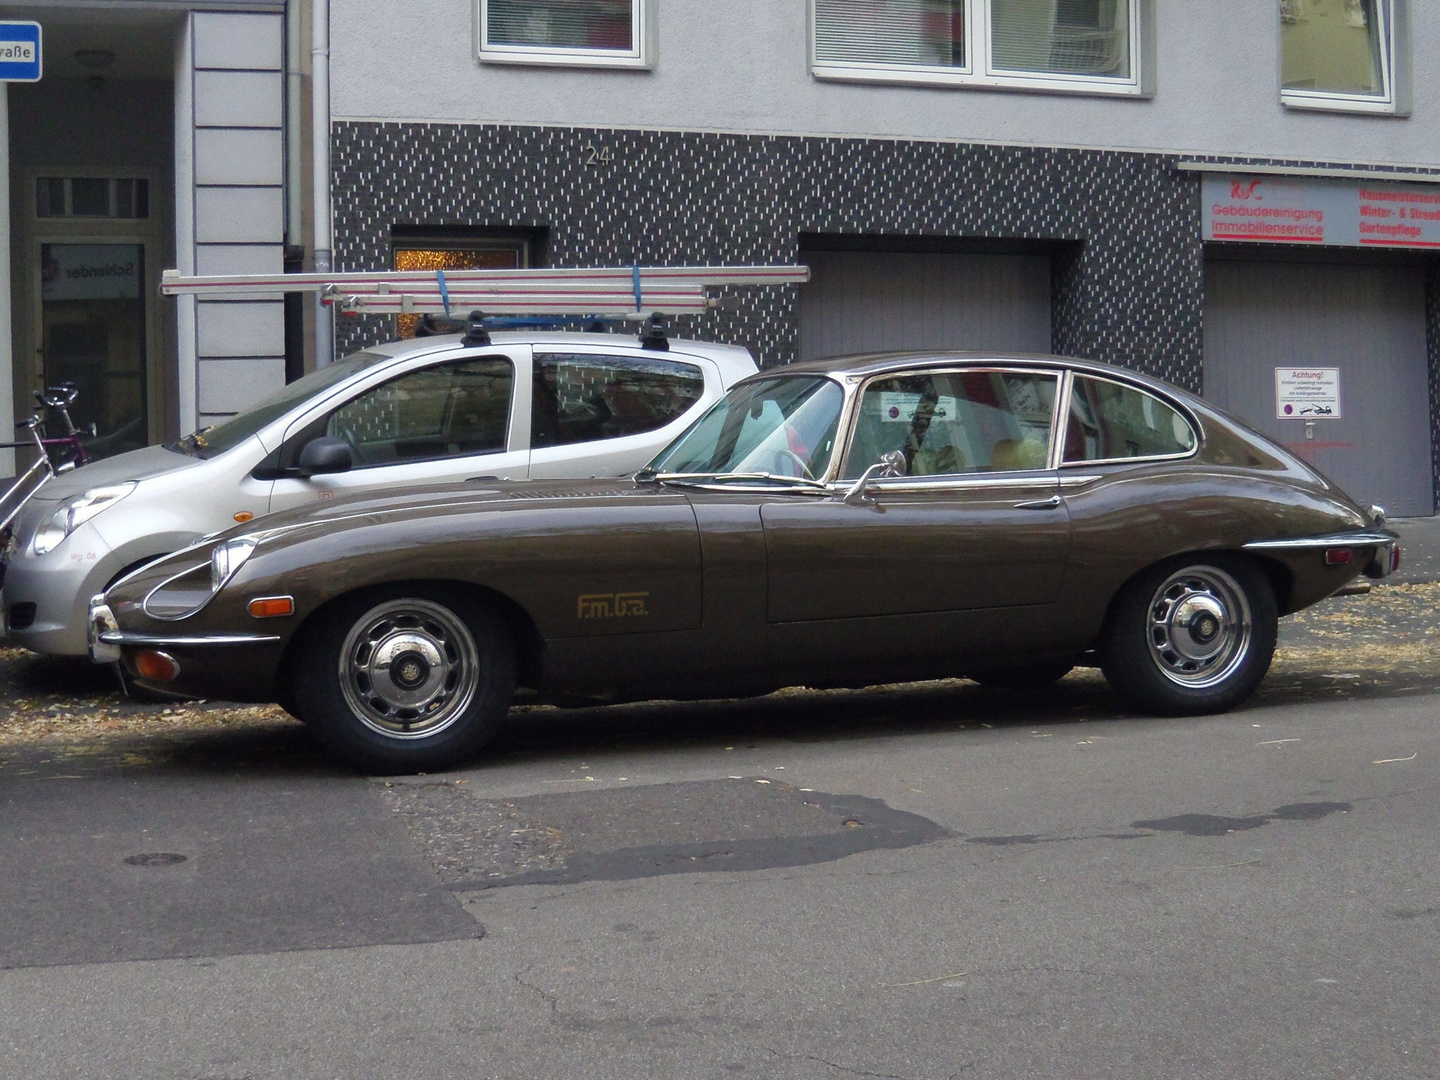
(878, 518)
(415, 412)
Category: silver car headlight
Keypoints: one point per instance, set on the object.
(75, 512)
(226, 559)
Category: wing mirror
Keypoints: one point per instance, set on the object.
(326, 454)
(889, 465)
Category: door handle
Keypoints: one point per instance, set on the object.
(1053, 502)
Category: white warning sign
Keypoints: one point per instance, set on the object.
(1307, 393)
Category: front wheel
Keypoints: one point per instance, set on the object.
(1190, 636)
(405, 680)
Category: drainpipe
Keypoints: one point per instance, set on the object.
(7, 359)
(320, 120)
(294, 188)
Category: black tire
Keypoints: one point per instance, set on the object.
(1190, 636)
(1040, 675)
(405, 679)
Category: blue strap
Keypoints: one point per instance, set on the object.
(444, 291)
(635, 277)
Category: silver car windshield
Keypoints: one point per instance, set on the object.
(779, 427)
(216, 440)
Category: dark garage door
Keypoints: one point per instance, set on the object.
(869, 302)
(1367, 321)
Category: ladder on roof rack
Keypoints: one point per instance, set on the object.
(629, 292)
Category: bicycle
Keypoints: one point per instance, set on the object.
(70, 447)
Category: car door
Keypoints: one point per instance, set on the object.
(453, 418)
(598, 413)
(977, 521)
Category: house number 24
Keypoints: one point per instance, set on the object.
(593, 155)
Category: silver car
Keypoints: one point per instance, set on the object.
(525, 405)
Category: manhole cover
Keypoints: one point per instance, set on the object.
(155, 858)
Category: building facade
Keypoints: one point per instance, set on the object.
(1230, 195)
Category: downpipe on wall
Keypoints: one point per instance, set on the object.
(320, 126)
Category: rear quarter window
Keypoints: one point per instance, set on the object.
(1110, 421)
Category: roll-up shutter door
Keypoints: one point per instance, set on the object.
(1366, 320)
(880, 302)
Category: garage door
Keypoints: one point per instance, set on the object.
(1367, 321)
(868, 302)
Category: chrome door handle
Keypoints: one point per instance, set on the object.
(1051, 503)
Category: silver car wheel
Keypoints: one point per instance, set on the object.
(409, 669)
(1199, 627)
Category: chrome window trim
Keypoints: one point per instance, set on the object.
(1196, 428)
(860, 385)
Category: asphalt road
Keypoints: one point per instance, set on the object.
(919, 882)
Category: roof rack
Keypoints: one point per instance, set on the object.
(628, 293)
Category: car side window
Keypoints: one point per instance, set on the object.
(443, 411)
(1109, 420)
(956, 422)
(581, 397)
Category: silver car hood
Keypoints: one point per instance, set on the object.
(134, 465)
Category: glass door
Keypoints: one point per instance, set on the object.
(93, 334)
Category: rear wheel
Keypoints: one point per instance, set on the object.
(1191, 636)
(405, 680)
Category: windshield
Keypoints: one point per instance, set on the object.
(782, 426)
(216, 440)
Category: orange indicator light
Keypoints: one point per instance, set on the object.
(156, 666)
(244, 516)
(269, 607)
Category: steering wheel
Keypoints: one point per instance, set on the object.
(784, 454)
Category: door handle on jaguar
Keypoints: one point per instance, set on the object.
(1053, 502)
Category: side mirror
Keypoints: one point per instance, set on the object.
(326, 454)
(891, 464)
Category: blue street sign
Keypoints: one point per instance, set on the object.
(19, 52)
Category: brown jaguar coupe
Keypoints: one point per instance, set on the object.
(837, 523)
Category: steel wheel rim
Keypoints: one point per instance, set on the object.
(409, 669)
(1198, 627)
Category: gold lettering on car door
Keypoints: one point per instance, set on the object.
(612, 605)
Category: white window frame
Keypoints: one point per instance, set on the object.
(641, 53)
(980, 72)
(1394, 70)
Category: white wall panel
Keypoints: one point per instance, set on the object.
(253, 42)
(238, 99)
(239, 215)
(241, 329)
(231, 385)
(239, 156)
(240, 259)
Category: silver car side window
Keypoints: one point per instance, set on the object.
(1111, 421)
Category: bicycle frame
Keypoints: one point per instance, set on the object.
(55, 399)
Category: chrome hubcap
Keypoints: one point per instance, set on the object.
(409, 669)
(1199, 626)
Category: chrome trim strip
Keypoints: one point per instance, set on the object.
(145, 603)
(985, 482)
(1305, 543)
(1080, 481)
(122, 637)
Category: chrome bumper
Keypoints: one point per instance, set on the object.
(105, 638)
(1383, 563)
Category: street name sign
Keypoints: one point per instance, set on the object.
(19, 51)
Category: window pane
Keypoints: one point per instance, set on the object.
(563, 24)
(923, 32)
(1331, 46)
(965, 422)
(496, 256)
(582, 398)
(1108, 420)
(440, 412)
(1061, 37)
(49, 197)
(90, 198)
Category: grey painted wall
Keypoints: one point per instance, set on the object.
(742, 66)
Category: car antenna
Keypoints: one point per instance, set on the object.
(476, 333)
(653, 334)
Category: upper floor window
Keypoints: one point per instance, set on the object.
(590, 33)
(1079, 45)
(1339, 54)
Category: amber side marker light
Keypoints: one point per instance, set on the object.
(1338, 556)
(156, 666)
(244, 516)
(269, 607)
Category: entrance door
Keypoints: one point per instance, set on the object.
(1369, 322)
(93, 334)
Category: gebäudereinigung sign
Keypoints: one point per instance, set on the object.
(1338, 213)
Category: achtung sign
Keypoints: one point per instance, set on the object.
(1335, 213)
(1307, 393)
(20, 59)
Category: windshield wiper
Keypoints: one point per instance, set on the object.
(700, 479)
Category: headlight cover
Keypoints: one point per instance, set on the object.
(75, 512)
(226, 559)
